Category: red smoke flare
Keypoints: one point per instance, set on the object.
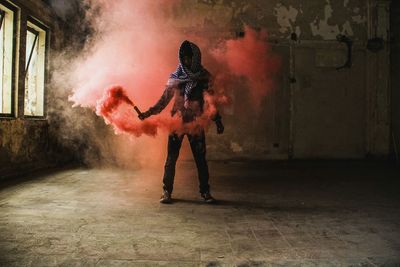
(122, 117)
(114, 97)
(117, 109)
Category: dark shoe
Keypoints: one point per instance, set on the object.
(166, 198)
(207, 197)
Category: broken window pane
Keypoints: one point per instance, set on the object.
(6, 58)
(35, 70)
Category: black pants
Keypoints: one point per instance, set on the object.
(198, 146)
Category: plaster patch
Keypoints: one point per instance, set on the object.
(298, 31)
(235, 147)
(346, 29)
(285, 17)
(320, 27)
(201, 13)
(358, 19)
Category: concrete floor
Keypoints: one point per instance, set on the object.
(285, 214)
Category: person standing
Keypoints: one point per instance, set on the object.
(188, 84)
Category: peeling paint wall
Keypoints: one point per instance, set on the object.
(316, 111)
(310, 20)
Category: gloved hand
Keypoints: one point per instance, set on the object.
(144, 115)
(220, 126)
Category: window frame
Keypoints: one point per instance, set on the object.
(46, 29)
(14, 82)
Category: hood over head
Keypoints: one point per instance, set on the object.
(191, 76)
(185, 75)
(188, 47)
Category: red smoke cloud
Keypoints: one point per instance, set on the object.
(250, 57)
(137, 48)
(117, 109)
(132, 48)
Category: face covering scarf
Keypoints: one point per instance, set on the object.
(188, 76)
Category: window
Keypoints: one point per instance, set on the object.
(35, 70)
(6, 59)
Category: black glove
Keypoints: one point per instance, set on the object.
(220, 126)
(144, 115)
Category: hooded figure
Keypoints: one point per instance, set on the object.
(188, 84)
(189, 72)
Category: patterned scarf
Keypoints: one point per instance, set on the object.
(185, 75)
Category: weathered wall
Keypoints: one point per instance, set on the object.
(315, 111)
(320, 20)
(395, 70)
(25, 143)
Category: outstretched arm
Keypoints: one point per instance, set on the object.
(161, 103)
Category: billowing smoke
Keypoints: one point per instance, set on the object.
(62, 7)
(134, 48)
(116, 109)
(252, 58)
